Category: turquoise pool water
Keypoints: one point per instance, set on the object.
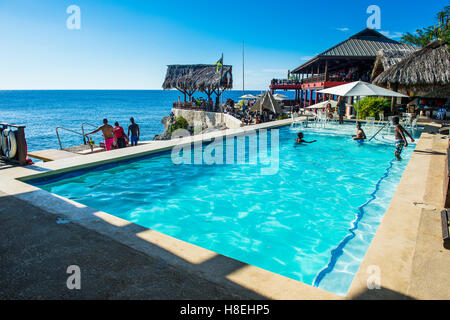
(312, 220)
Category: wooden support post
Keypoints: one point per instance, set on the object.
(21, 145)
(326, 70)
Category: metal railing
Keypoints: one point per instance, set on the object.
(82, 130)
(59, 139)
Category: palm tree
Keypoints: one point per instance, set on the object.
(424, 36)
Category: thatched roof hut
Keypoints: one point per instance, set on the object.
(422, 71)
(198, 77)
(386, 58)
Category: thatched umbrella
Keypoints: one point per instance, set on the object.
(207, 78)
(266, 102)
(422, 71)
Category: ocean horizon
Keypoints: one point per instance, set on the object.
(41, 111)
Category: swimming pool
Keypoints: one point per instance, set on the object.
(312, 220)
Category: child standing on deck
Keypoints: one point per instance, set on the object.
(400, 139)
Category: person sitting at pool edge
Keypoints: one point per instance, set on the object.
(300, 140)
(121, 138)
(108, 134)
(135, 132)
(400, 139)
(360, 134)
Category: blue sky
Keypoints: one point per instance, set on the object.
(127, 44)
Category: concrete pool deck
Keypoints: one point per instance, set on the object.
(42, 234)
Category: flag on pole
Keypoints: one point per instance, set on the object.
(219, 63)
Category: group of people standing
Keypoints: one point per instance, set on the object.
(115, 137)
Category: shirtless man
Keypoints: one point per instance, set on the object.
(400, 138)
(300, 140)
(360, 134)
(135, 132)
(108, 134)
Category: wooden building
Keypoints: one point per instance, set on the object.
(348, 61)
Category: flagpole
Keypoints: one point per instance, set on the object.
(221, 76)
(243, 74)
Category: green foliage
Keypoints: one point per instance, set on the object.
(426, 35)
(282, 116)
(371, 107)
(180, 123)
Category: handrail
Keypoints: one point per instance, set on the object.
(379, 131)
(82, 129)
(70, 130)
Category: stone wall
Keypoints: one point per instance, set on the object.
(208, 119)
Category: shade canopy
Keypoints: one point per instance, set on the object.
(361, 89)
(248, 96)
(266, 102)
(279, 97)
(323, 105)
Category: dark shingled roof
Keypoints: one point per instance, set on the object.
(366, 43)
(198, 77)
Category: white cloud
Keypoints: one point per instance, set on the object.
(343, 29)
(392, 35)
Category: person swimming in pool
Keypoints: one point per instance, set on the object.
(300, 140)
(108, 134)
(360, 134)
(400, 139)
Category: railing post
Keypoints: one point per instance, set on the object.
(21, 146)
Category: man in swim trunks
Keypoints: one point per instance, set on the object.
(341, 109)
(108, 134)
(360, 134)
(135, 132)
(300, 140)
(400, 139)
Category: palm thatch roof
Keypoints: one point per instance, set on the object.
(386, 58)
(422, 71)
(198, 77)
